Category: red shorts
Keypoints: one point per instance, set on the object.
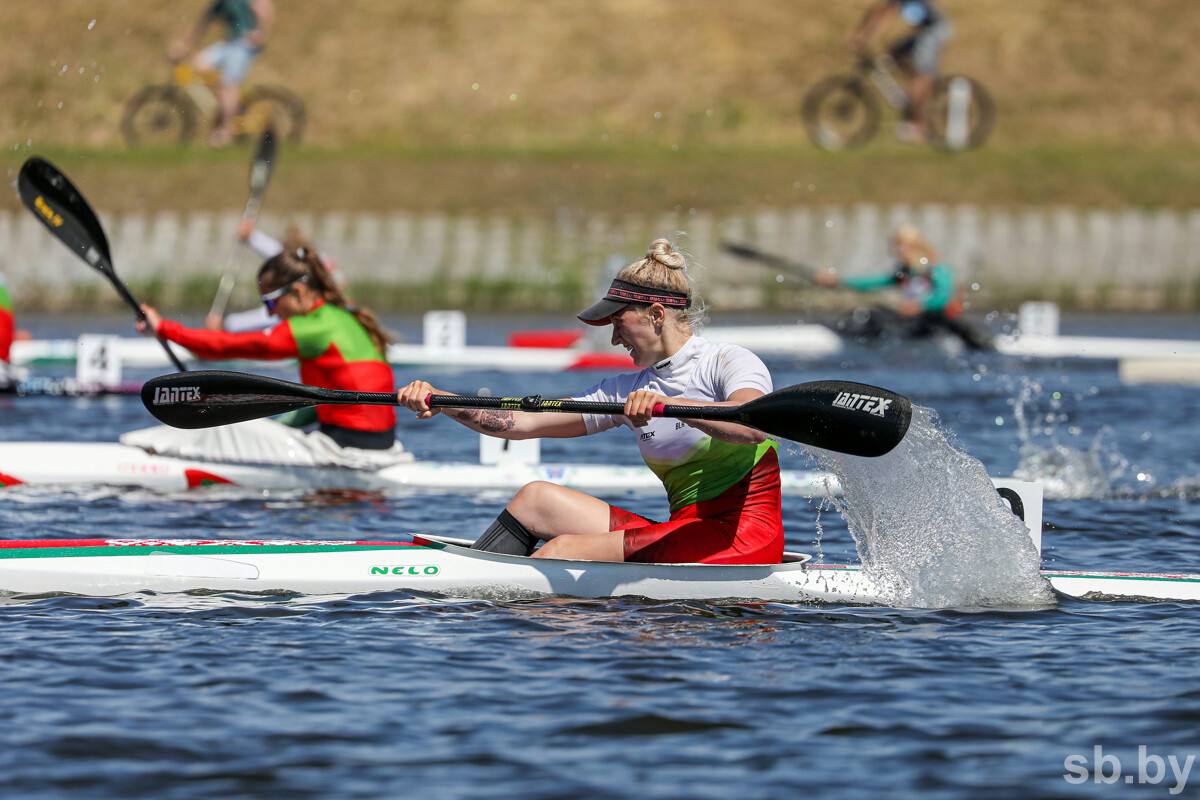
(743, 525)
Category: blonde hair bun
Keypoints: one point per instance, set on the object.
(662, 252)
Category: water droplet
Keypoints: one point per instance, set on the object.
(513, 97)
(828, 223)
(999, 422)
(975, 287)
(63, 69)
(91, 25)
(658, 115)
(60, 104)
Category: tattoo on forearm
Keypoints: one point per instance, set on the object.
(489, 421)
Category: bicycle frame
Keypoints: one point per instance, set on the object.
(880, 70)
(200, 85)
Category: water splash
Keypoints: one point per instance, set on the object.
(931, 530)
(1065, 472)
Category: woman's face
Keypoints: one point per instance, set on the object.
(910, 253)
(635, 330)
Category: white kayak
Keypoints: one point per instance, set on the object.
(117, 465)
(447, 566)
(110, 567)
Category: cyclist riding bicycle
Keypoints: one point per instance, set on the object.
(916, 53)
(246, 24)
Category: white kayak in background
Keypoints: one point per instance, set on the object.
(76, 464)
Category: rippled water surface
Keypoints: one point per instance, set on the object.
(400, 694)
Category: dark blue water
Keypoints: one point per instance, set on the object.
(398, 694)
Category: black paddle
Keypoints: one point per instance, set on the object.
(260, 176)
(61, 208)
(846, 417)
(794, 268)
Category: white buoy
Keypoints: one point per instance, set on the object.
(958, 108)
(444, 330)
(1038, 318)
(97, 362)
(507, 451)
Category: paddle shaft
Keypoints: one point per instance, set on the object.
(125, 294)
(533, 404)
(796, 269)
(844, 416)
(260, 175)
(536, 404)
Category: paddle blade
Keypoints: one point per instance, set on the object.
(206, 399)
(61, 207)
(842, 416)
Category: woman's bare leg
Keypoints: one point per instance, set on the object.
(574, 524)
(608, 546)
(551, 510)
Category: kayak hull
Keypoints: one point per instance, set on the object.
(114, 567)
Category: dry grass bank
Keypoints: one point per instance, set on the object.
(569, 73)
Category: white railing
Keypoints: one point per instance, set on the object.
(1119, 258)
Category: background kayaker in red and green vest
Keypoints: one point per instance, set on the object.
(928, 299)
(7, 325)
(339, 346)
(8, 378)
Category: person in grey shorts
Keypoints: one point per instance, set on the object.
(246, 24)
(917, 53)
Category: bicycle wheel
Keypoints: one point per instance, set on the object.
(159, 115)
(960, 113)
(840, 112)
(266, 106)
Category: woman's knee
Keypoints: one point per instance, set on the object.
(531, 503)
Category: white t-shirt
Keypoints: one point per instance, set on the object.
(692, 465)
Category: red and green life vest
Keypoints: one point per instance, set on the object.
(7, 325)
(334, 349)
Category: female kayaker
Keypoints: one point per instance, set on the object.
(721, 478)
(7, 334)
(339, 346)
(928, 300)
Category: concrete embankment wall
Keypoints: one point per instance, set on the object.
(1123, 259)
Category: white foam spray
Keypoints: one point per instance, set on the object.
(1065, 472)
(930, 529)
